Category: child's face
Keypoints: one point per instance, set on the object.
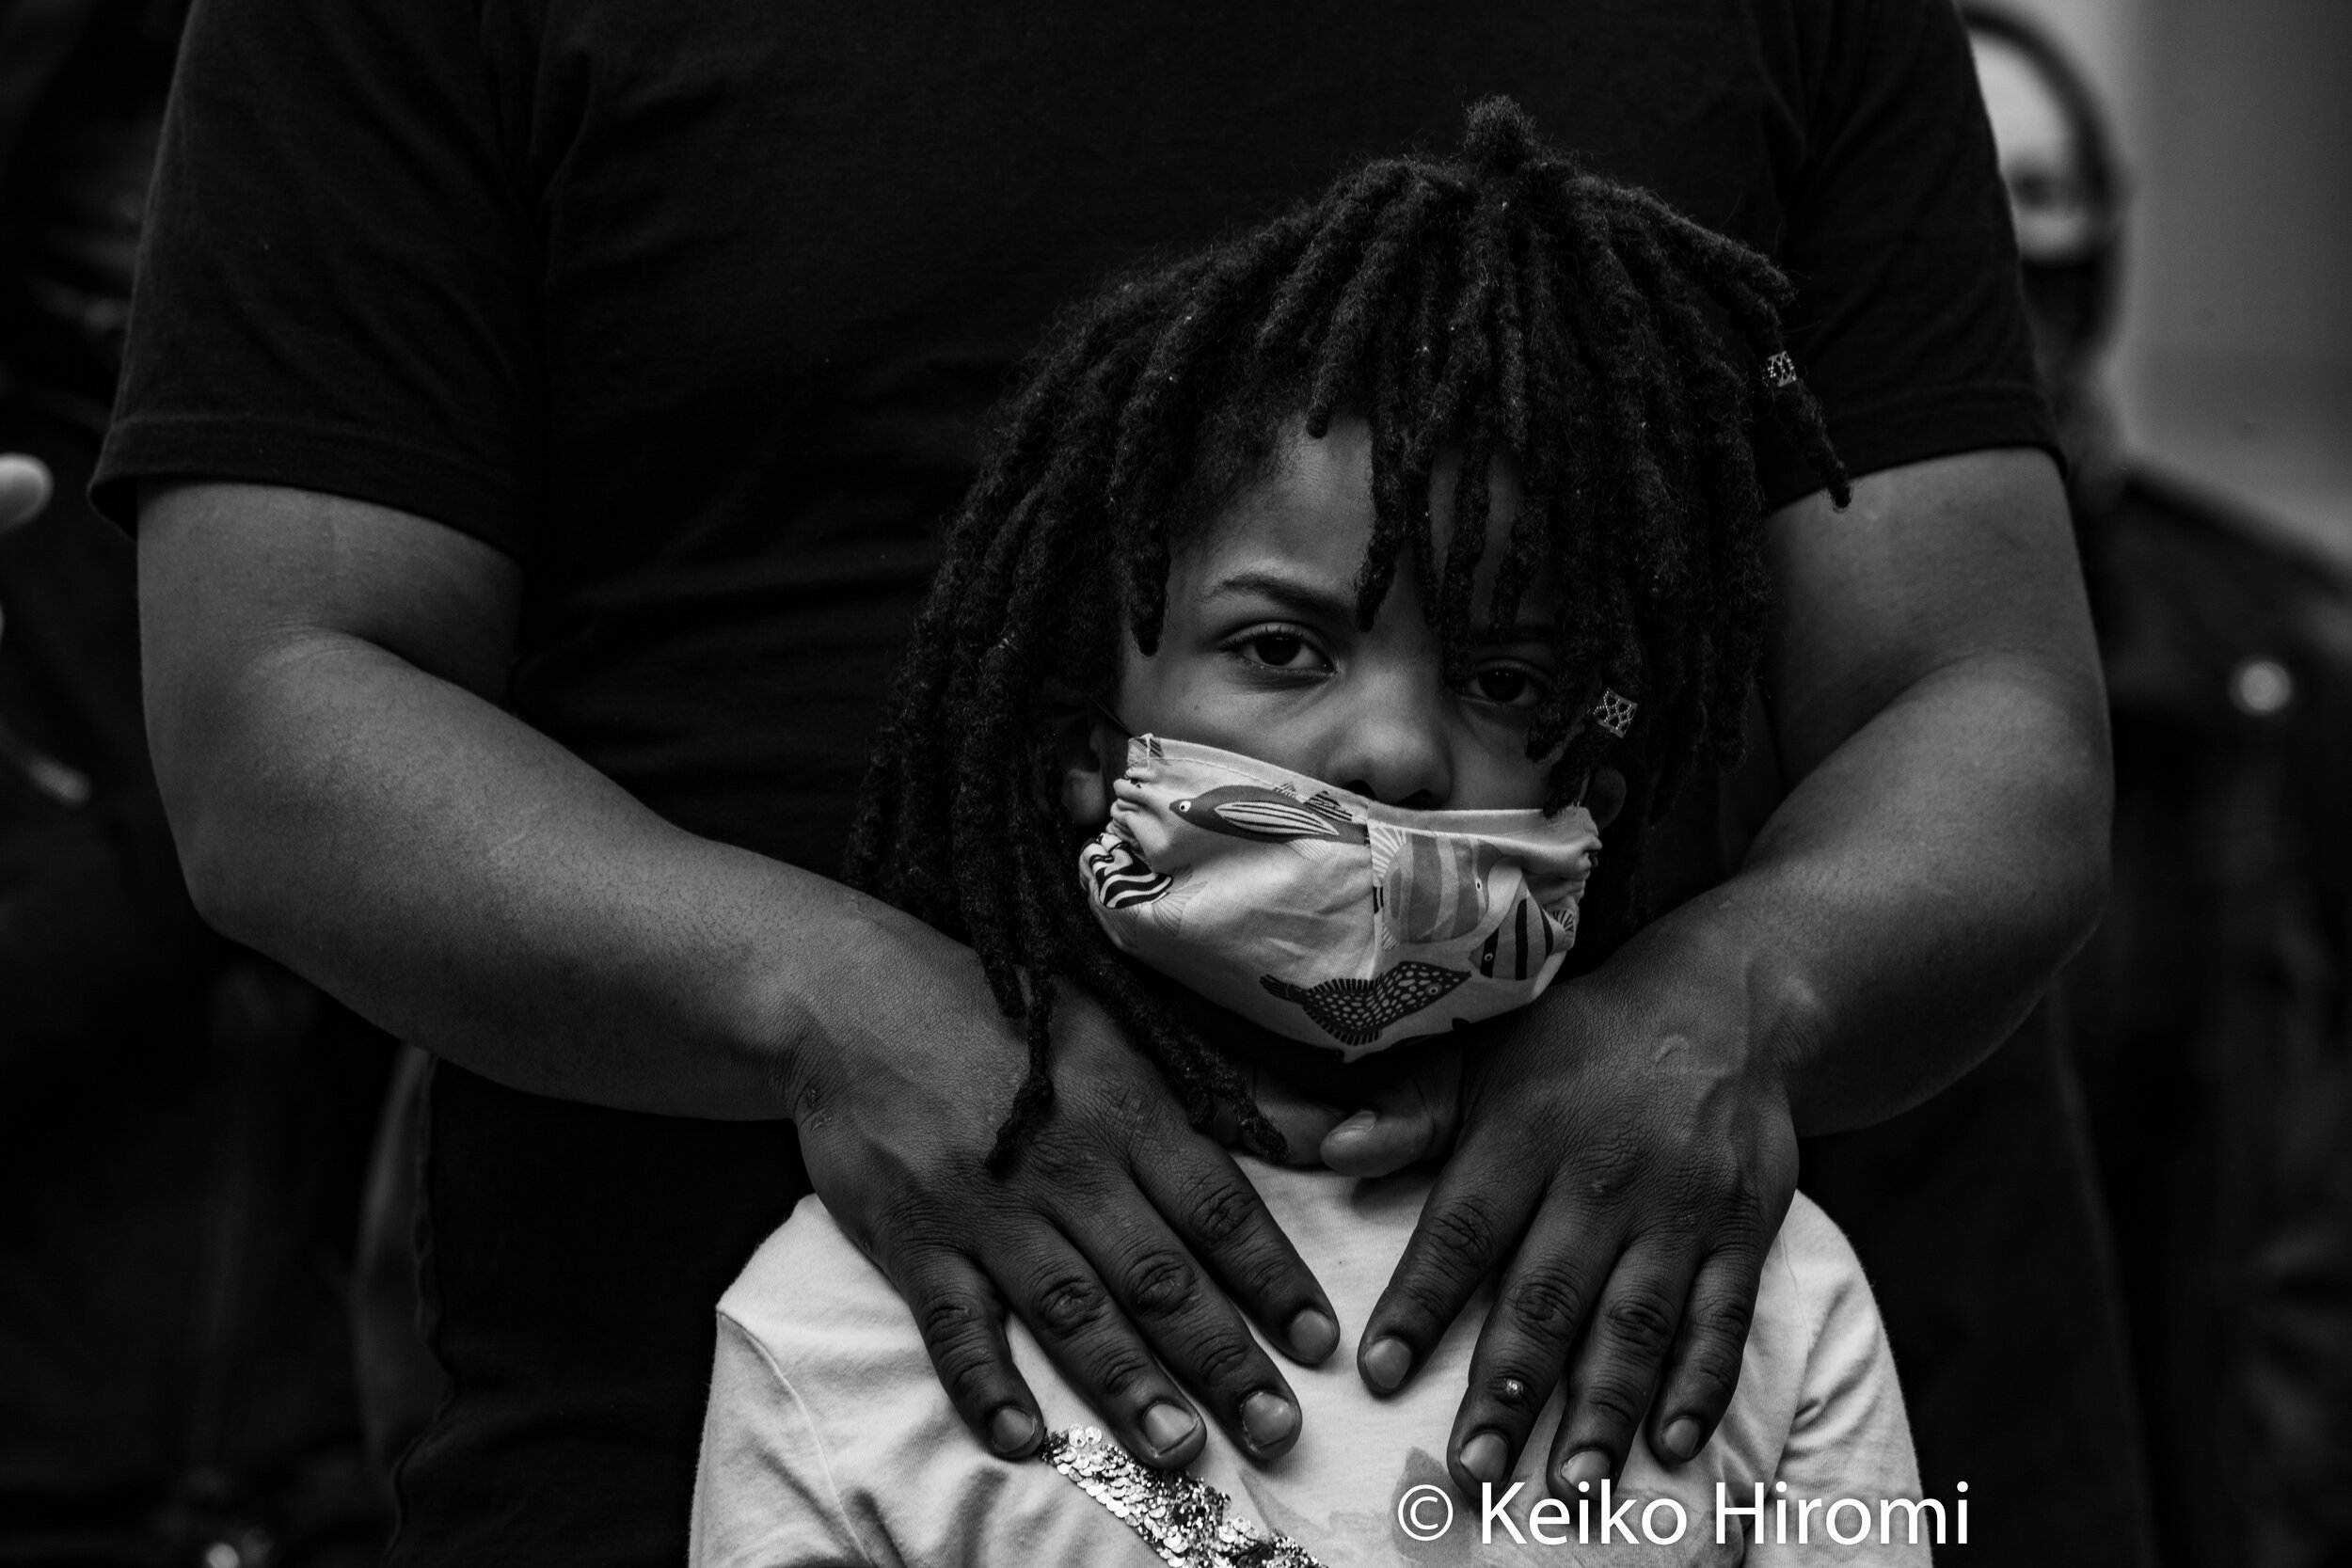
(1261, 653)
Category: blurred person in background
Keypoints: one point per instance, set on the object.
(182, 1124)
(2210, 1012)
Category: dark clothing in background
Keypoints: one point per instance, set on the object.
(695, 309)
(2212, 1014)
(183, 1128)
(182, 1123)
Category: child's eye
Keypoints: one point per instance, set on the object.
(1280, 650)
(1507, 686)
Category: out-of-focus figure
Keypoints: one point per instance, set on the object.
(182, 1125)
(2210, 1012)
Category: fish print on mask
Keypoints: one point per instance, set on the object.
(1326, 917)
(1121, 877)
(1355, 1012)
(1436, 889)
(1256, 812)
(1524, 942)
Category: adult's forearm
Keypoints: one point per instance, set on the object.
(347, 797)
(1907, 904)
(470, 886)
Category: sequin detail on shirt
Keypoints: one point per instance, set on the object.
(1190, 1523)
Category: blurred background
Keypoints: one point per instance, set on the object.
(208, 1351)
(2232, 355)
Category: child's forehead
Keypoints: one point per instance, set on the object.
(1310, 508)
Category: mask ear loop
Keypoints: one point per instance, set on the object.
(1118, 724)
(1613, 711)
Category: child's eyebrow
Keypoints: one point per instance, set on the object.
(1302, 598)
(1309, 599)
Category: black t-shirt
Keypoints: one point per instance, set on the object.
(694, 309)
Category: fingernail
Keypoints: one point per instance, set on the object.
(1682, 1437)
(1385, 1364)
(1482, 1457)
(1166, 1425)
(1313, 1334)
(1011, 1430)
(1363, 1121)
(1269, 1420)
(1586, 1468)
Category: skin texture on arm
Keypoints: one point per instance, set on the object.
(324, 679)
(1626, 1148)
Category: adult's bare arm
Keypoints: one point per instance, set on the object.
(324, 684)
(1628, 1148)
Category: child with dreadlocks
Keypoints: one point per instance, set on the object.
(1320, 598)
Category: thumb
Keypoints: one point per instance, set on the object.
(1304, 1122)
(1412, 1116)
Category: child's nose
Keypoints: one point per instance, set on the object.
(1392, 748)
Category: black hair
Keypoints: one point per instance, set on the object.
(1500, 300)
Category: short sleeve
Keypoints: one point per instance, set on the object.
(1851, 1436)
(1908, 323)
(764, 1495)
(338, 278)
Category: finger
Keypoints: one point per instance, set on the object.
(1617, 1365)
(1303, 1120)
(962, 1320)
(1408, 1119)
(24, 488)
(1703, 1369)
(1191, 1326)
(1523, 1346)
(1078, 1324)
(1220, 1219)
(1478, 1208)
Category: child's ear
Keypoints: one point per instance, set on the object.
(1090, 751)
(1604, 795)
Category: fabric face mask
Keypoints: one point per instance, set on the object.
(1327, 917)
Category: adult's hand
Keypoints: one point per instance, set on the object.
(1625, 1160)
(324, 680)
(1626, 1148)
(1094, 1238)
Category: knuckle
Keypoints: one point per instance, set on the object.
(1066, 1305)
(1618, 1163)
(1122, 1376)
(1709, 1371)
(1462, 1234)
(1261, 1280)
(950, 1318)
(1544, 1301)
(1160, 1284)
(1064, 1164)
(1722, 1320)
(1220, 1361)
(1612, 1403)
(1418, 1307)
(1640, 1324)
(1216, 1209)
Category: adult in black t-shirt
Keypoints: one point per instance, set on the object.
(538, 416)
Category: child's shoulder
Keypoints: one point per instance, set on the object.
(806, 1269)
(1818, 1265)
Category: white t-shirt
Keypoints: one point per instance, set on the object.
(828, 1441)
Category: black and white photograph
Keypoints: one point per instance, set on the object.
(1223, 786)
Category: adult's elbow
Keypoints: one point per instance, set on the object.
(2072, 853)
(212, 831)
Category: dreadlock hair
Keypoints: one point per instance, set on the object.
(1501, 301)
